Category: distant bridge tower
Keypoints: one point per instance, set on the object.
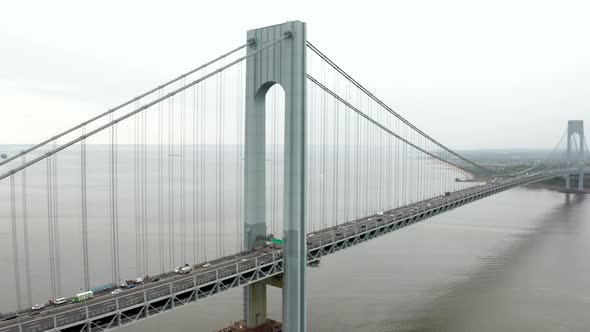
(282, 64)
(575, 130)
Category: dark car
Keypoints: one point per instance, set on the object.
(9, 316)
(156, 279)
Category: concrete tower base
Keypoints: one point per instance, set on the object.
(269, 326)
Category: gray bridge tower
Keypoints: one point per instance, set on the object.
(283, 64)
(575, 129)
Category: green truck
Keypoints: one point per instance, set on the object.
(82, 296)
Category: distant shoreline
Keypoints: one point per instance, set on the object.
(559, 184)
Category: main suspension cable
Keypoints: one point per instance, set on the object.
(129, 102)
(140, 109)
(373, 121)
(386, 107)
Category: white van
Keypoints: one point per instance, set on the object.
(61, 300)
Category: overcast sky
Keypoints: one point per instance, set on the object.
(473, 74)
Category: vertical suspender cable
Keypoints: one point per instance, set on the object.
(203, 167)
(84, 207)
(324, 177)
(50, 226)
(111, 206)
(336, 162)
(309, 124)
(277, 194)
(387, 178)
(440, 171)
(397, 166)
(141, 188)
(415, 170)
(312, 160)
(56, 227)
(145, 196)
(375, 171)
(428, 170)
(182, 176)
(136, 196)
(218, 167)
(113, 203)
(241, 138)
(383, 161)
(418, 172)
(367, 160)
(194, 176)
(116, 205)
(171, 234)
(347, 161)
(238, 160)
(411, 182)
(391, 172)
(314, 149)
(382, 157)
(431, 164)
(421, 173)
(273, 114)
(405, 167)
(449, 174)
(160, 184)
(357, 162)
(422, 169)
(15, 243)
(446, 171)
(26, 235)
(222, 158)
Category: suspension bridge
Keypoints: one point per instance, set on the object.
(239, 173)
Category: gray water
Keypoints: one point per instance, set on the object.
(517, 261)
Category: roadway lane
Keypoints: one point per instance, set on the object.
(104, 302)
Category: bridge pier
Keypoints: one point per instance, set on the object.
(283, 64)
(255, 304)
(268, 326)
